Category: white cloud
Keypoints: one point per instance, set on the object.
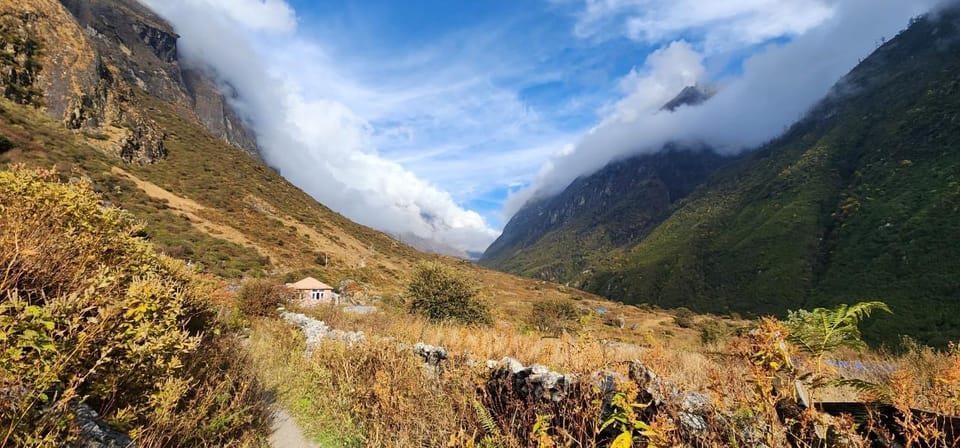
(721, 24)
(436, 111)
(645, 91)
(312, 136)
(777, 86)
(666, 72)
(259, 15)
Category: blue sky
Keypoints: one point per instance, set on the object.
(525, 51)
(440, 118)
(550, 83)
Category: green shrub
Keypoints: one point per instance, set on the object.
(262, 297)
(555, 316)
(713, 330)
(90, 311)
(823, 330)
(683, 317)
(439, 293)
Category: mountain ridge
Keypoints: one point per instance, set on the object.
(612, 208)
(99, 52)
(201, 198)
(829, 212)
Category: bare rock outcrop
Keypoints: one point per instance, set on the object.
(89, 63)
(143, 143)
(510, 376)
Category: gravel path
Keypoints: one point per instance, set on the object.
(284, 432)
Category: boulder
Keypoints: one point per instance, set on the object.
(95, 433)
(535, 381)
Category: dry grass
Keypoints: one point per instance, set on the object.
(89, 312)
(210, 203)
(333, 392)
(367, 395)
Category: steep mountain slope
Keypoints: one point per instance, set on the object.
(203, 199)
(561, 237)
(557, 238)
(84, 60)
(860, 200)
(142, 48)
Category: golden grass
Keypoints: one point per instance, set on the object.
(737, 373)
(236, 215)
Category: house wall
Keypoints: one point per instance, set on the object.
(329, 297)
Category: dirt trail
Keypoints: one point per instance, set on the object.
(284, 432)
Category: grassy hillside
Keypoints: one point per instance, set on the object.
(859, 201)
(210, 203)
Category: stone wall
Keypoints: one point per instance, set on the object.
(509, 379)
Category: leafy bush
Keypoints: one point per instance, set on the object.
(258, 297)
(555, 316)
(440, 294)
(90, 312)
(683, 317)
(713, 330)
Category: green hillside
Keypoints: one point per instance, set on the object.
(858, 201)
(559, 237)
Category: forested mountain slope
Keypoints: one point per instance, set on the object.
(558, 237)
(860, 200)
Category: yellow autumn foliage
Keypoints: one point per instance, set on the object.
(90, 312)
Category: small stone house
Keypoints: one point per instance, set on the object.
(311, 291)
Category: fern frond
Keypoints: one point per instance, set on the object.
(486, 420)
(824, 330)
(875, 391)
(862, 310)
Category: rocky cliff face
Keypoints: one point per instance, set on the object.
(143, 48)
(86, 61)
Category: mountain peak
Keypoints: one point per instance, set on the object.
(690, 96)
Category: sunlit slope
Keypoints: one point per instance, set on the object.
(210, 203)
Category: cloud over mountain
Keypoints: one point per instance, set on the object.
(319, 144)
(775, 87)
(720, 24)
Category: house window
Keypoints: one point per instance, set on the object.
(316, 294)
